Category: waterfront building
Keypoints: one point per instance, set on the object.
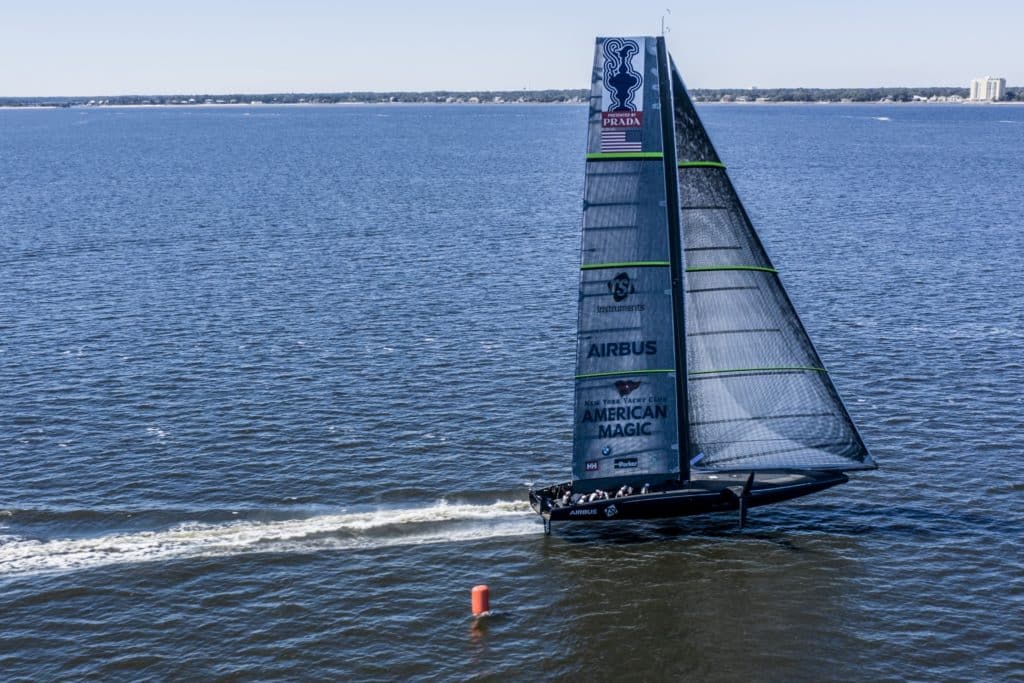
(988, 89)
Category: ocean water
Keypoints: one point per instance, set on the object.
(274, 382)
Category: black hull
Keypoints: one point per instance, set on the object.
(722, 492)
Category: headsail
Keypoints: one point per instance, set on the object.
(759, 396)
(626, 419)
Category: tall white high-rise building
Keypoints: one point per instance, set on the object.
(988, 89)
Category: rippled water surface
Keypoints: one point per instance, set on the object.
(275, 380)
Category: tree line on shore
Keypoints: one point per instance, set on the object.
(507, 96)
(839, 94)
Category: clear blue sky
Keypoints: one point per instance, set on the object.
(111, 47)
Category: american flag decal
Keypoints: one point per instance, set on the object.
(621, 131)
(622, 140)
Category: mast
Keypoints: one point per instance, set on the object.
(668, 137)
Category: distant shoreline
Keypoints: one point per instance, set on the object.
(929, 95)
(248, 105)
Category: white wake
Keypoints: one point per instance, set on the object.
(440, 523)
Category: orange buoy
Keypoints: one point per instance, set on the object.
(481, 600)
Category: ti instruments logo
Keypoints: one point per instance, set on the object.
(621, 287)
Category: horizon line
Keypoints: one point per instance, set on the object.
(439, 91)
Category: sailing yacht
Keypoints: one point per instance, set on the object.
(697, 388)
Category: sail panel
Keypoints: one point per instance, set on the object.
(626, 419)
(625, 430)
(759, 397)
(624, 212)
(692, 141)
(715, 229)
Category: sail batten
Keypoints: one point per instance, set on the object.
(701, 164)
(769, 369)
(618, 373)
(702, 269)
(624, 156)
(625, 264)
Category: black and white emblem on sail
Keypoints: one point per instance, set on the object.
(620, 287)
(622, 107)
(621, 78)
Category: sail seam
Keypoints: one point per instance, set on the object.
(760, 453)
(716, 289)
(700, 269)
(626, 372)
(623, 156)
(752, 330)
(756, 418)
(626, 264)
(788, 368)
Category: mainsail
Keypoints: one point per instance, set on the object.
(627, 394)
(759, 397)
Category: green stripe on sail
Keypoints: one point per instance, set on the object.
(626, 264)
(701, 164)
(701, 269)
(781, 368)
(623, 156)
(619, 373)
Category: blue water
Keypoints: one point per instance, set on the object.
(275, 380)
